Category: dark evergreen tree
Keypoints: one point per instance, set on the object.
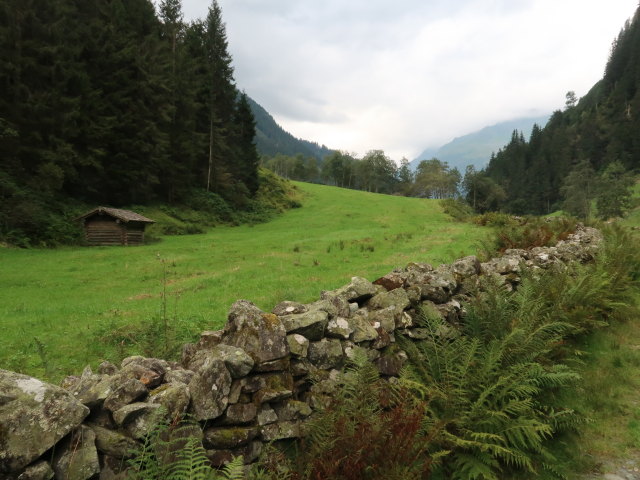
(247, 160)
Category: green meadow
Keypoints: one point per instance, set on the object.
(64, 308)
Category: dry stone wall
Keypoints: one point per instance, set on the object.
(249, 383)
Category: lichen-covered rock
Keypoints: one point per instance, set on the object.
(124, 393)
(107, 368)
(298, 345)
(292, 410)
(150, 371)
(339, 327)
(335, 305)
(391, 364)
(210, 387)
(385, 318)
(274, 365)
(397, 299)
(228, 437)
(113, 443)
(240, 413)
(311, 324)
(466, 267)
(38, 471)
(238, 362)
(280, 431)
(260, 334)
(266, 415)
(34, 416)
(392, 280)
(179, 376)
(209, 339)
(326, 354)
(363, 331)
(173, 397)
(274, 387)
(288, 308)
(139, 419)
(358, 290)
(76, 458)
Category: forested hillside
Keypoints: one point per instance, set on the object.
(115, 103)
(591, 141)
(272, 139)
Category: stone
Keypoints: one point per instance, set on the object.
(292, 410)
(107, 368)
(334, 305)
(362, 329)
(274, 365)
(38, 471)
(34, 416)
(209, 339)
(339, 327)
(274, 387)
(466, 267)
(311, 324)
(385, 318)
(266, 415)
(384, 339)
(238, 362)
(288, 308)
(228, 437)
(392, 281)
(261, 335)
(124, 393)
(173, 397)
(326, 354)
(210, 387)
(149, 371)
(391, 364)
(179, 376)
(139, 419)
(113, 443)
(76, 458)
(398, 299)
(240, 413)
(358, 290)
(298, 345)
(280, 431)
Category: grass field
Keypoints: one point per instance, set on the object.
(59, 308)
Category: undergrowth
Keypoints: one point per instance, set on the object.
(370, 430)
(175, 452)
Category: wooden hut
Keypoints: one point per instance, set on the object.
(113, 226)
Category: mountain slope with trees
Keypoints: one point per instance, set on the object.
(272, 139)
(113, 103)
(589, 137)
(476, 148)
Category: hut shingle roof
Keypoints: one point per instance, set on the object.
(123, 215)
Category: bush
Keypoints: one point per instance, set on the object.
(457, 209)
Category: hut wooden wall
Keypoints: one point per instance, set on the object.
(104, 231)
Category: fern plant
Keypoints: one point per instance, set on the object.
(369, 431)
(171, 452)
(484, 396)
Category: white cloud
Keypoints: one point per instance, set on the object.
(404, 75)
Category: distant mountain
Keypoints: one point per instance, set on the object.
(272, 139)
(476, 148)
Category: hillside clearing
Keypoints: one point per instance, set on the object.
(59, 308)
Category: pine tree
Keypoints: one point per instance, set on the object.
(247, 160)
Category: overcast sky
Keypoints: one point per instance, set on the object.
(403, 75)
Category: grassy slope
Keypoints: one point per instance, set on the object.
(68, 298)
(610, 397)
